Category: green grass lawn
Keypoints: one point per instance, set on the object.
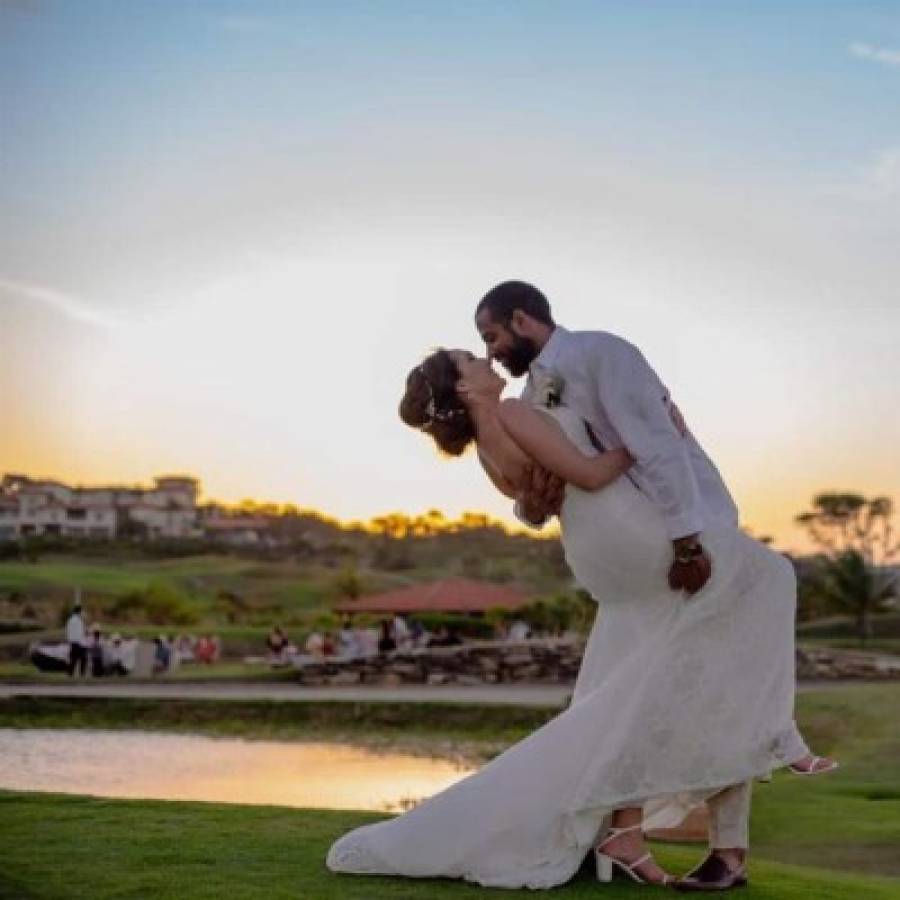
(889, 645)
(836, 836)
(885, 624)
(117, 574)
(301, 583)
(58, 847)
(841, 632)
(270, 592)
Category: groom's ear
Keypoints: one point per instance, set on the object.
(518, 323)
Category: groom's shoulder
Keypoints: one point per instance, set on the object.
(601, 340)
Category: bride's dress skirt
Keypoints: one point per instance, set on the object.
(677, 698)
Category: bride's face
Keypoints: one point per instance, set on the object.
(476, 377)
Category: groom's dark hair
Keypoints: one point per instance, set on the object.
(504, 299)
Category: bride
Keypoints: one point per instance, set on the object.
(679, 700)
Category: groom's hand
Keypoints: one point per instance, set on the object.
(691, 568)
(542, 496)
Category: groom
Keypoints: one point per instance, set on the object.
(624, 404)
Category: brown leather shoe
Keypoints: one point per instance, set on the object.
(712, 874)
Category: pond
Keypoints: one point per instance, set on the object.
(151, 765)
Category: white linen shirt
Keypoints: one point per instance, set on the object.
(607, 381)
(75, 633)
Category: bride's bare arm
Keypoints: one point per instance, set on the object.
(505, 463)
(544, 441)
(499, 480)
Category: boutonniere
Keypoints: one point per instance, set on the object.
(547, 388)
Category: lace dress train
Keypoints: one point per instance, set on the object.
(677, 698)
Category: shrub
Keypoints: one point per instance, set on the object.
(560, 613)
(159, 603)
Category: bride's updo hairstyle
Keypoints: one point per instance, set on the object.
(432, 404)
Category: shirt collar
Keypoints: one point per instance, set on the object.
(551, 350)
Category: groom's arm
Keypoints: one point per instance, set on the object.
(633, 399)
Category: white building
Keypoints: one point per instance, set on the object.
(34, 507)
(235, 528)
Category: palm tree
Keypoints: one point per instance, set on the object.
(849, 583)
(857, 538)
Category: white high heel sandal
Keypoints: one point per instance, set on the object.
(811, 769)
(606, 864)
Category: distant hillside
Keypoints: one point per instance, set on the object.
(315, 563)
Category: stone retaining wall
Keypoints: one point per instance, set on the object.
(487, 662)
(542, 662)
(829, 663)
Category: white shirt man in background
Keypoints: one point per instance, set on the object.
(76, 635)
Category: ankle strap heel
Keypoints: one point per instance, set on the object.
(607, 865)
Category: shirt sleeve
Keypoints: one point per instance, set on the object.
(635, 401)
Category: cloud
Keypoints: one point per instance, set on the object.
(876, 54)
(71, 307)
(885, 173)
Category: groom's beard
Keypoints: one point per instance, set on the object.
(521, 354)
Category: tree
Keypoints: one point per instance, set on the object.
(347, 584)
(858, 543)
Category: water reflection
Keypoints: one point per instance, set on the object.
(190, 767)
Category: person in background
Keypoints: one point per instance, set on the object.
(418, 634)
(95, 650)
(518, 631)
(116, 656)
(367, 639)
(401, 632)
(206, 649)
(453, 636)
(348, 640)
(184, 648)
(162, 654)
(280, 647)
(386, 643)
(75, 635)
(445, 637)
(276, 641)
(315, 644)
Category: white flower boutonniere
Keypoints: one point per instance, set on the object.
(547, 388)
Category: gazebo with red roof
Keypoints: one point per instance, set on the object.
(454, 595)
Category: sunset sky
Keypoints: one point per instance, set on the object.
(229, 229)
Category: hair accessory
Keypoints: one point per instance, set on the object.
(429, 406)
(434, 414)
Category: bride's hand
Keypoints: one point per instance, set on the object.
(622, 457)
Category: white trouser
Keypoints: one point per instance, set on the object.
(729, 816)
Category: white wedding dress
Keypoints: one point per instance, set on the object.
(677, 698)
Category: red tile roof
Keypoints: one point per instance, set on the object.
(452, 595)
(242, 523)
